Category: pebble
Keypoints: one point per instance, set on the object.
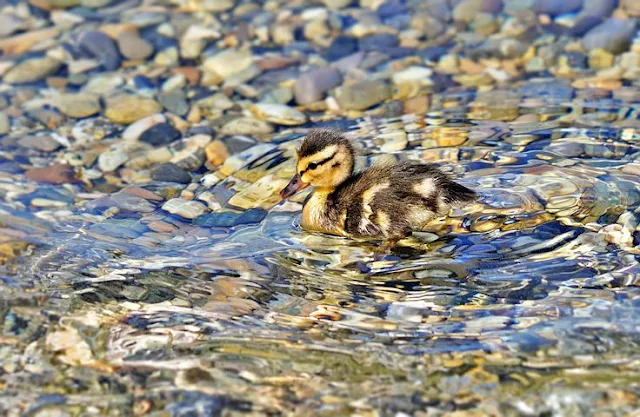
(312, 86)
(246, 126)
(79, 105)
(32, 70)
(170, 172)
(9, 24)
(613, 35)
(99, 46)
(413, 74)
(161, 227)
(44, 143)
(341, 47)
(278, 114)
(216, 153)
(160, 134)
(5, 123)
(216, 5)
(126, 109)
(133, 47)
(187, 209)
(112, 159)
(555, 7)
(601, 59)
(632, 7)
(54, 174)
(133, 131)
(174, 101)
(123, 201)
(363, 94)
(228, 63)
(467, 10)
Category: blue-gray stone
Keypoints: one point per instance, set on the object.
(341, 47)
(98, 45)
(160, 134)
(613, 35)
(169, 172)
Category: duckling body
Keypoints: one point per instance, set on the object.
(383, 202)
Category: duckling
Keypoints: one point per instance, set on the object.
(384, 202)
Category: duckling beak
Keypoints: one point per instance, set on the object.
(293, 187)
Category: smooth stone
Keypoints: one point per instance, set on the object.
(362, 95)
(187, 209)
(189, 159)
(5, 123)
(216, 153)
(174, 101)
(246, 126)
(312, 85)
(613, 35)
(467, 10)
(133, 131)
(598, 8)
(9, 24)
(112, 159)
(376, 41)
(32, 70)
(413, 74)
(278, 114)
(133, 47)
(100, 46)
(78, 106)
(230, 219)
(160, 134)
(170, 172)
(337, 4)
(217, 5)
(103, 84)
(280, 95)
(126, 109)
(236, 144)
(54, 174)
(161, 227)
(228, 63)
(124, 201)
(340, 47)
(632, 7)
(555, 7)
(44, 143)
(349, 62)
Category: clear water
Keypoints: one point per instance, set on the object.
(523, 304)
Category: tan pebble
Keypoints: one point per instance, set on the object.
(190, 73)
(600, 59)
(216, 153)
(419, 104)
(470, 67)
(22, 43)
(187, 195)
(141, 192)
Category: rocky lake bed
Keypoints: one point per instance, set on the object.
(149, 268)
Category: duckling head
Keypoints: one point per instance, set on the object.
(325, 160)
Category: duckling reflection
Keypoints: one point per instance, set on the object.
(385, 202)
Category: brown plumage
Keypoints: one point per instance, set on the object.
(382, 202)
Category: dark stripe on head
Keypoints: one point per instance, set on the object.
(314, 165)
(318, 139)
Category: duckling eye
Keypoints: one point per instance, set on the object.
(312, 166)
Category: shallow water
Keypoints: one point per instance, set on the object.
(522, 304)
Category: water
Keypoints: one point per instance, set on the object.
(525, 303)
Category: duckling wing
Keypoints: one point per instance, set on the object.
(389, 201)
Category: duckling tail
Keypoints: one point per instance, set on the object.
(457, 195)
